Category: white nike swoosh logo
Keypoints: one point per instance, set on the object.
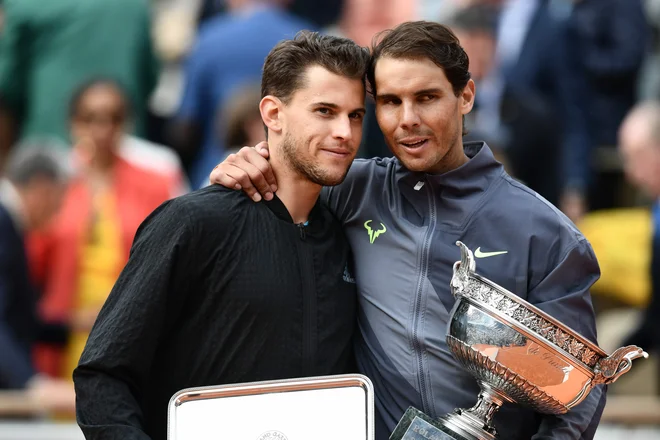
(480, 254)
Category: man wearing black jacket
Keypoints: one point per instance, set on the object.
(222, 290)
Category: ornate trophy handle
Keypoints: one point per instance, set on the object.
(609, 369)
(462, 270)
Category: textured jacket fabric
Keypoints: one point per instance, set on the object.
(217, 290)
(402, 227)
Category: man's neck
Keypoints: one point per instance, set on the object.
(455, 158)
(298, 194)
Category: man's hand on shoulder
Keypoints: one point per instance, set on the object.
(248, 170)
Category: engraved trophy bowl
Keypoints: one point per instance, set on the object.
(518, 354)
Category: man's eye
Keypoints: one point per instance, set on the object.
(427, 97)
(356, 116)
(324, 111)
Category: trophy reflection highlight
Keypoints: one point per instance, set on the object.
(518, 354)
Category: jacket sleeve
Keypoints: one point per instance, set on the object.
(564, 294)
(118, 356)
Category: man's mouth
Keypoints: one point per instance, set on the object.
(339, 152)
(413, 143)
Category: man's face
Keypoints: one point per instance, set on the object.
(419, 114)
(362, 19)
(480, 48)
(42, 199)
(322, 126)
(101, 117)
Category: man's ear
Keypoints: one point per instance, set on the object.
(271, 112)
(468, 97)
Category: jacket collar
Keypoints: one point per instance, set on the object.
(457, 193)
(475, 175)
(278, 208)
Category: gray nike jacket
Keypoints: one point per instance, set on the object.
(403, 227)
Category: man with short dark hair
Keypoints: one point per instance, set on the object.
(403, 217)
(221, 290)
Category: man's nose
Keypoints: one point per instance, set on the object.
(409, 116)
(342, 129)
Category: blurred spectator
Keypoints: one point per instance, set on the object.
(209, 9)
(48, 47)
(444, 11)
(613, 40)
(535, 102)
(79, 257)
(525, 84)
(361, 20)
(640, 149)
(228, 53)
(649, 87)
(29, 197)
(158, 159)
(476, 29)
(241, 119)
(320, 13)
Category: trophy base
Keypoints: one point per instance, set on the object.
(461, 425)
(468, 425)
(415, 425)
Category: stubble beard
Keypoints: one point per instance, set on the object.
(434, 160)
(306, 168)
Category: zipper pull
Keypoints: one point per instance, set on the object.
(301, 228)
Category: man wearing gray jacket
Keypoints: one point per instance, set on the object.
(402, 217)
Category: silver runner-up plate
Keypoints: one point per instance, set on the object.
(319, 408)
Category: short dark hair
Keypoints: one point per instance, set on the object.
(422, 40)
(82, 88)
(285, 65)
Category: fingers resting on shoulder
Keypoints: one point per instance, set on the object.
(249, 170)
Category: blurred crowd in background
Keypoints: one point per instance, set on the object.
(110, 107)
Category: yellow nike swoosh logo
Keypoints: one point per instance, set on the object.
(480, 254)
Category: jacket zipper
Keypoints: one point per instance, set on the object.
(417, 343)
(310, 327)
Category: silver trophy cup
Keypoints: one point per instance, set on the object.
(518, 354)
